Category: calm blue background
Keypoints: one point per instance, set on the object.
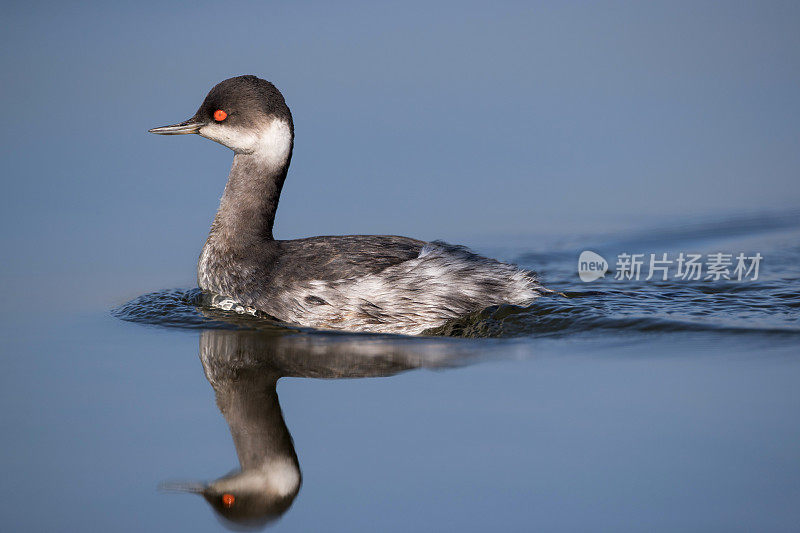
(513, 125)
(437, 121)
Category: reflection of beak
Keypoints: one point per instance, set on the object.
(185, 486)
(188, 126)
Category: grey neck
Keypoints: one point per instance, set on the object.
(246, 212)
(254, 416)
(235, 364)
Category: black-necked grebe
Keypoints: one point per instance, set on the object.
(373, 283)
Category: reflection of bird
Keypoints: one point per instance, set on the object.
(369, 283)
(243, 367)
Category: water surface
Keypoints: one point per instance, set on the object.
(615, 405)
(619, 406)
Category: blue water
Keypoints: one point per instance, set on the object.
(615, 406)
(528, 131)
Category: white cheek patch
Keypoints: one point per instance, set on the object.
(270, 143)
(273, 143)
(277, 477)
(238, 140)
(283, 477)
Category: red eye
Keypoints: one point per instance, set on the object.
(220, 115)
(227, 499)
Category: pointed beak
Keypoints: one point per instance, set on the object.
(183, 486)
(188, 126)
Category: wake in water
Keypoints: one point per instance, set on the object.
(768, 306)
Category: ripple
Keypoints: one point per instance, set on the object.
(189, 309)
(576, 312)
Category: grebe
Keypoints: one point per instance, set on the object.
(371, 283)
(244, 366)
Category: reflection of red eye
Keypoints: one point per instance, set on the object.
(219, 116)
(227, 499)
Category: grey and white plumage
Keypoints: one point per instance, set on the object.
(372, 283)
